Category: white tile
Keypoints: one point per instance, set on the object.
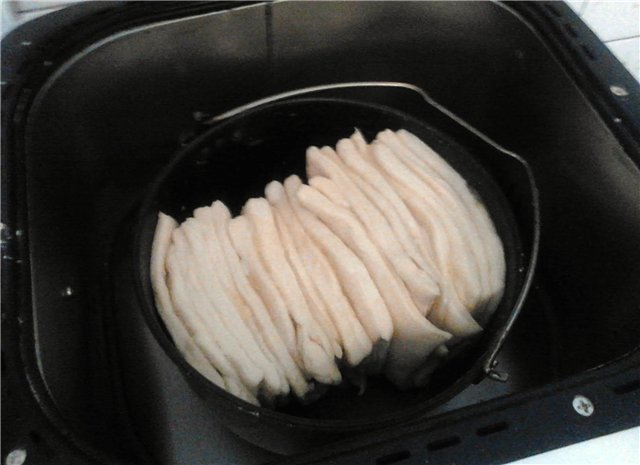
(577, 5)
(11, 18)
(613, 19)
(628, 52)
(8, 18)
(27, 6)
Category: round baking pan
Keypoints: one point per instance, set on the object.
(232, 162)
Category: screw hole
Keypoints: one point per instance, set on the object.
(627, 387)
(393, 458)
(443, 443)
(492, 429)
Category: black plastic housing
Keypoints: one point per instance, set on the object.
(97, 98)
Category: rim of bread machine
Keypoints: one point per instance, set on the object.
(502, 179)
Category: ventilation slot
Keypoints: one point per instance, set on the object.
(443, 443)
(627, 387)
(492, 429)
(393, 458)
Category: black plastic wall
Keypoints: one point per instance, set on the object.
(110, 117)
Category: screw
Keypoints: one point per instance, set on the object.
(619, 91)
(67, 292)
(16, 457)
(583, 406)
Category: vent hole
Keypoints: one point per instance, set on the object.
(627, 387)
(492, 429)
(393, 458)
(588, 52)
(572, 32)
(552, 8)
(443, 443)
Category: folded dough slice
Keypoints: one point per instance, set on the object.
(219, 217)
(245, 354)
(359, 141)
(357, 284)
(424, 290)
(316, 362)
(277, 383)
(493, 244)
(316, 305)
(267, 239)
(414, 337)
(448, 313)
(204, 325)
(460, 264)
(354, 339)
(327, 187)
(240, 235)
(183, 298)
(451, 201)
(183, 340)
(377, 188)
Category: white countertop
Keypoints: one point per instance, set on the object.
(618, 448)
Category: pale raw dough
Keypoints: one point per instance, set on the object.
(238, 317)
(353, 337)
(205, 327)
(424, 290)
(383, 263)
(213, 308)
(218, 218)
(181, 337)
(314, 348)
(357, 284)
(493, 244)
(414, 337)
